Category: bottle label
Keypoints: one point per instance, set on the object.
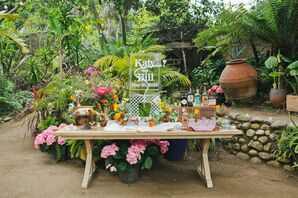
(190, 98)
(184, 101)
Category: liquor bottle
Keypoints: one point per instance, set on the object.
(205, 99)
(183, 99)
(212, 101)
(197, 99)
(190, 98)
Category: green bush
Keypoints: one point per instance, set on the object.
(10, 99)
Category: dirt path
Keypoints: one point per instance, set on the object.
(26, 172)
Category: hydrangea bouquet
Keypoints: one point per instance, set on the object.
(125, 155)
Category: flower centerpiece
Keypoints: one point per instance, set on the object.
(128, 157)
(218, 93)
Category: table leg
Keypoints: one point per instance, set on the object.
(204, 169)
(90, 165)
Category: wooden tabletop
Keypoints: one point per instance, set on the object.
(99, 133)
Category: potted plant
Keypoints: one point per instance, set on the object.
(129, 157)
(292, 99)
(277, 94)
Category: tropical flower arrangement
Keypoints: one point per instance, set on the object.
(218, 93)
(126, 155)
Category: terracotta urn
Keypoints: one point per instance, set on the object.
(239, 80)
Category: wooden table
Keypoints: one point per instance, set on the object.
(99, 134)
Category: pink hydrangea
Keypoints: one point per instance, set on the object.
(61, 126)
(109, 150)
(164, 146)
(39, 140)
(60, 140)
(91, 71)
(134, 153)
(101, 90)
(50, 139)
(52, 128)
(46, 133)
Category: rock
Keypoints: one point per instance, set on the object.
(269, 147)
(7, 119)
(243, 118)
(250, 132)
(255, 137)
(236, 146)
(278, 132)
(256, 160)
(255, 126)
(242, 140)
(273, 163)
(250, 143)
(263, 139)
(246, 125)
(288, 167)
(278, 124)
(257, 119)
(260, 132)
(239, 126)
(242, 156)
(283, 160)
(230, 146)
(272, 136)
(234, 139)
(267, 132)
(233, 115)
(236, 122)
(244, 148)
(257, 145)
(253, 152)
(265, 156)
(265, 127)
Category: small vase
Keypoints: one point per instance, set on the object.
(129, 176)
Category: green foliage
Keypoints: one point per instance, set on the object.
(48, 121)
(207, 73)
(59, 152)
(10, 99)
(287, 145)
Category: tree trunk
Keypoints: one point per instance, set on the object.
(123, 29)
(254, 50)
(95, 15)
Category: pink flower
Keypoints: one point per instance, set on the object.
(50, 139)
(211, 92)
(214, 87)
(101, 90)
(39, 140)
(109, 150)
(61, 126)
(52, 128)
(219, 90)
(61, 141)
(164, 146)
(108, 166)
(134, 152)
(91, 71)
(46, 133)
(113, 169)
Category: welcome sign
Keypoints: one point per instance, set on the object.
(145, 71)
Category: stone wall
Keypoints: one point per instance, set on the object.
(258, 141)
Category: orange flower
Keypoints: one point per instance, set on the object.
(122, 122)
(117, 116)
(115, 97)
(197, 111)
(151, 124)
(72, 98)
(217, 106)
(104, 101)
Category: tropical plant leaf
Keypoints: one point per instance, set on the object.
(148, 163)
(10, 17)
(271, 62)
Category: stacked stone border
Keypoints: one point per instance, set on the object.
(258, 141)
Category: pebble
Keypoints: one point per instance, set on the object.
(7, 119)
(242, 140)
(256, 160)
(257, 119)
(236, 146)
(253, 152)
(288, 167)
(278, 124)
(244, 148)
(260, 132)
(283, 160)
(246, 125)
(255, 137)
(243, 118)
(263, 139)
(265, 156)
(250, 132)
(272, 136)
(265, 127)
(242, 156)
(267, 132)
(269, 147)
(273, 163)
(257, 145)
(255, 126)
(250, 143)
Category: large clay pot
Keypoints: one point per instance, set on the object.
(239, 80)
(277, 97)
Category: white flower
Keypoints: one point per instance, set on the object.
(156, 100)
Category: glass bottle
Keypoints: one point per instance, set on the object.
(183, 99)
(190, 98)
(197, 99)
(205, 99)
